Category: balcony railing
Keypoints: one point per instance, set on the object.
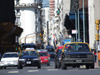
(29, 5)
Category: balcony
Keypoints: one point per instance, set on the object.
(28, 5)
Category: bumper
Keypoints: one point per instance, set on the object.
(29, 63)
(82, 61)
(8, 64)
(44, 61)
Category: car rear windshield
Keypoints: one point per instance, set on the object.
(29, 53)
(43, 54)
(80, 47)
(10, 55)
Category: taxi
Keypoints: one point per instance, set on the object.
(29, 58)
(75, 54)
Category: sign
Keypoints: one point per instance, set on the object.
(67, 41)
(74, 31)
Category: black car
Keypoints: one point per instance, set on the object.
(76, 54)
(29, 58)
(51, 51)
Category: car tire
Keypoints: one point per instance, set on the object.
(87, 66)
(39, 66)
(78, 66)
(1, 67)
(92, 66)
(48, 64)
(4, 67)
(20, 67)
(74, 66)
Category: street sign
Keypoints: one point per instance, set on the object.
(67, 41)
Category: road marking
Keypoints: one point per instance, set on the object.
(13, 72)
(52, 69)
(33, 70)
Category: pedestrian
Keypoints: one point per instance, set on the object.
(95, 55)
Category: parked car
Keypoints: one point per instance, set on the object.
(45, 58)
(29, 58)
(9, 59)
(57, 58)
(75, 54)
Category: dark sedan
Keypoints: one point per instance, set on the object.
(29, 58)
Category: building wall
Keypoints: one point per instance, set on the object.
(30, 21)
(91, 20)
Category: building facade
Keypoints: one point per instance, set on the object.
(28, 14)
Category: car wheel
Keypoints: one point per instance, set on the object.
(1, 67)
(87, 66)
(48, 64)
(39, 66)
(74, 66)
(20, 67)
(78, 66)
(4, 67)
(92, 66)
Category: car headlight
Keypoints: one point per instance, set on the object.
(35, 59)
(21, 59)
(67, 56)
(89, 56)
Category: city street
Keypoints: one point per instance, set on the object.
(49, 70)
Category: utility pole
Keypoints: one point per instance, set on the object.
(83, 23)
(47, 32)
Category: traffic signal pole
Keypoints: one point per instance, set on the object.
(97, 38)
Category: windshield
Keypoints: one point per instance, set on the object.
(10, 55)
(29, 53)
(50, 50)
(77, 47)
(43, 54)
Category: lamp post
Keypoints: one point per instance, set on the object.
(28, 35)
(83, 23)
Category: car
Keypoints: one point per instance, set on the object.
(45, 58)
(29, 58)
(51, 51)
(57, 59)
(9, 59)
(75, 54)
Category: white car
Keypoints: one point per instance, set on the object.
(9, 59)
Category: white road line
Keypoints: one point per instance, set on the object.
(33, 70)
(52, 69)
(13, 72)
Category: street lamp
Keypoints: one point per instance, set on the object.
(28, 35)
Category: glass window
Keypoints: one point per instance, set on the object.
(43, 54)
(29, 53)
(10, 55)
(77, 47)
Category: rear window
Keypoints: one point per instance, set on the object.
(43, 54)
(80, 47)
(10, 55)
(29, 53)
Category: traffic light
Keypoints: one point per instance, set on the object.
(41, 35)
(97, 37)
(97, 24)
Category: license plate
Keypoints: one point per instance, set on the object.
(28, 62)
(78, 61)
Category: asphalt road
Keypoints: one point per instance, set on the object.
(49, 70)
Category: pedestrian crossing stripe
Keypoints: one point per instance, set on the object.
(13, 72)
(33, 70)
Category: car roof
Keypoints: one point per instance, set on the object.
(30, 50)
(11, 52)
(60, 47)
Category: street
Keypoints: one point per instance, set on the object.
(49, 70)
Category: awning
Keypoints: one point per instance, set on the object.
(8, 29)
